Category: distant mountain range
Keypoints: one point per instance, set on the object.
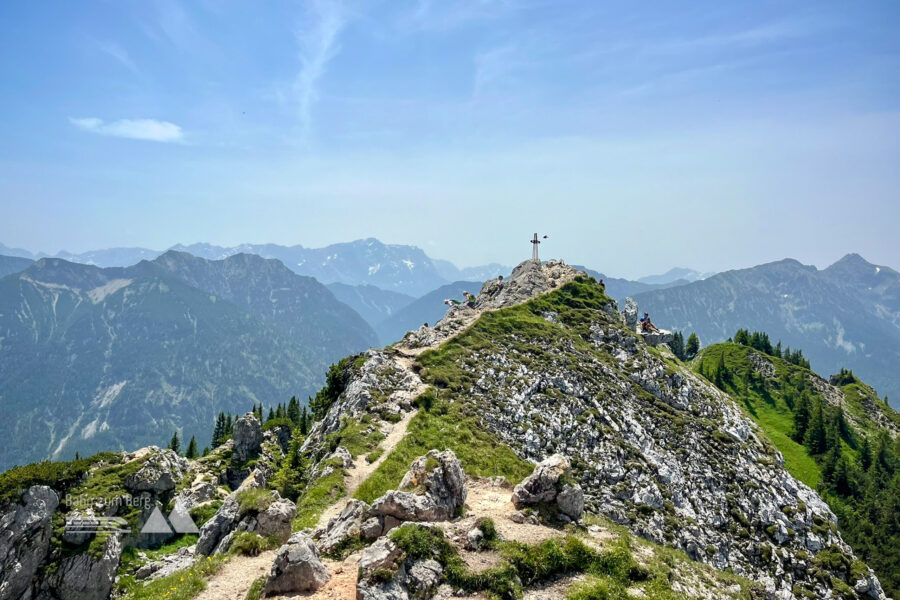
(392, 267)
(95, 358)
(674, 275)
(847, 315)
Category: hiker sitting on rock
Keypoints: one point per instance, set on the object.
(497, 286)
(470, 299)
(647, 326)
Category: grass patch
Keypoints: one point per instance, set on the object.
(256, 589)
(203, 513)
(319, 495)
(355, 437)
(246, 543)
(446, 425)
(183, 585)
(253, 500)
(523, 565)
(60, 475)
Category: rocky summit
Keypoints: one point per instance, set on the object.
(530, 444)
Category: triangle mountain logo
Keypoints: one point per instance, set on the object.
(156, 523)
(181, 520)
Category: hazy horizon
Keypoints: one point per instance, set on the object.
(640, 137)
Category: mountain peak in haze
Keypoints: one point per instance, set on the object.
(673, 275)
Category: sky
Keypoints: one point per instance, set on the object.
(638, 135)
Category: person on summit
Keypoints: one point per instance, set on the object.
(647, 325)
(470, 299)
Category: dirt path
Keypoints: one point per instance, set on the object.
(236, 576)
(361, 468)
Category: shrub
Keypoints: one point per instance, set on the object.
(246, 543)
(253, 500)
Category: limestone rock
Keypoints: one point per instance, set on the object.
(344, 456)
(439, 485)
(218, 527)
(630, 313)
(180, 560)
(247, 437)
(87, 577)
(25, 539)
(159, 473)
(383, 554)
(346, 525)
(423, 577)
(297, 568)
(546, 486)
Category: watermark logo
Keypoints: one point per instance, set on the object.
(178, 521)
(85, 525)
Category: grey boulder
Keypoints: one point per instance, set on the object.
(297, 568)
(438, 486)
(547, 486)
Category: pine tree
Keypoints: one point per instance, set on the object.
(271, 416)
(77, 456)
(815, 438)
(304, 422)
(777, 351)
(280, 413)
(692, 347)
(229, 425)
(218, 429)
(801, 417)
(205, 450)
(865, 454)
(293, 411)
(175, 443)
(192, 448)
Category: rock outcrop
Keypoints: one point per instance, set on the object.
(273, 519)
(247, 437)
(438, 490)
(630, 313)
(159, 474)
(25, 533)
(550, 487)
(297, 568)
(86, 576)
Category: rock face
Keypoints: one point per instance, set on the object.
(274, 520)
(383, 554)
(297, 568)
(439, 490)
(247, 438)
(25, 539)
(85, 576)
(547, 487)
(347, 525)
(159, 474)
(630, 313)
(387, 574)
(653, 446)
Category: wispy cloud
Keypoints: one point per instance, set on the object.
(135, 129)
(318, 39)
(118, 53)
(449, 14)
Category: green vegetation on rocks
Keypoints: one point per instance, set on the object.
(838, 449)
(446, 425)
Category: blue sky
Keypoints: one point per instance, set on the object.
(639, 135)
